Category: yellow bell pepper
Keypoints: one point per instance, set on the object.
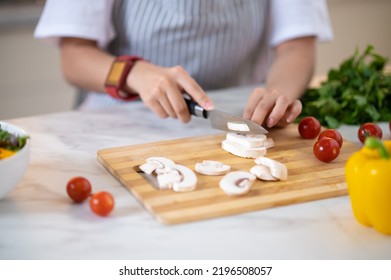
(368, 177)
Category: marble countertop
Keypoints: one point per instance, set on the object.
(38, 221)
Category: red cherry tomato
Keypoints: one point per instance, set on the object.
(309, 128)
(78, 189)
(369, 129)
(326, 149)
(331, 133)
(389, 125)
(102, 203)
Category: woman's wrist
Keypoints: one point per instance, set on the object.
(116, 80)
(134, 79)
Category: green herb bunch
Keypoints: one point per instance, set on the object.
(357, 92)
(10, 141)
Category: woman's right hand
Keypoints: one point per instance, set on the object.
(161, 90)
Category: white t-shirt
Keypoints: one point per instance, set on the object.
(221, 43)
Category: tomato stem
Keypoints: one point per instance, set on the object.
(376, 143)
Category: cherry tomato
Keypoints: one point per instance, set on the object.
(326, 149)
(369, 129)
(78, 189)
(309, 128)
(390, 125)
(331, 133)
(102, 203)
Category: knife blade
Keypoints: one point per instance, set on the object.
(224, 121)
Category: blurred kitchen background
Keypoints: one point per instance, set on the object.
(31, 82)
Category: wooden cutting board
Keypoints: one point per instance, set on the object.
(308, 179)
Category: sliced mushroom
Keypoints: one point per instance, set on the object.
(211, 167)
(269, 143)
(237, 182)
(149, 167)
(277, 169)
(242, 151)
(212, 162)
(262, 172)
(247, 140)
(167, 180)
(188, 179)
(158, 164)
(238, 126)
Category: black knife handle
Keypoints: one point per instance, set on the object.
(195, 109)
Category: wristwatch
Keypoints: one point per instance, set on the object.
(115, 83)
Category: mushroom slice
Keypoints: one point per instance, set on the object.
(211, 167)
(188, 179)
(277, 169)
(242, 151)
(262, 172)
(269, 143)
(237, 182)
(247, 140)
(238, 126)
(167, 180)
(149, 167)
(158, 164)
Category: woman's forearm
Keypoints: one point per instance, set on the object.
(83, 64)
(293, 67)
(160, 88)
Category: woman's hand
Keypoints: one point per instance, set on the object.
(271, 108)
(288, 77)
(161, 90)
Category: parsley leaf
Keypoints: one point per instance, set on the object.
(357, 92)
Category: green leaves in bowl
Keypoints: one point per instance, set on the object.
(357, 92)
(11, 141)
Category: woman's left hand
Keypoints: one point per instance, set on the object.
(271, 108)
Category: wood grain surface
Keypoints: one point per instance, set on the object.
(308, 179)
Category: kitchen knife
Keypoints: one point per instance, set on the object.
(224, 121)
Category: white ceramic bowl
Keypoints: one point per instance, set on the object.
(13, 168)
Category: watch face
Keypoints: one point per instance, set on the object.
(115, 73)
